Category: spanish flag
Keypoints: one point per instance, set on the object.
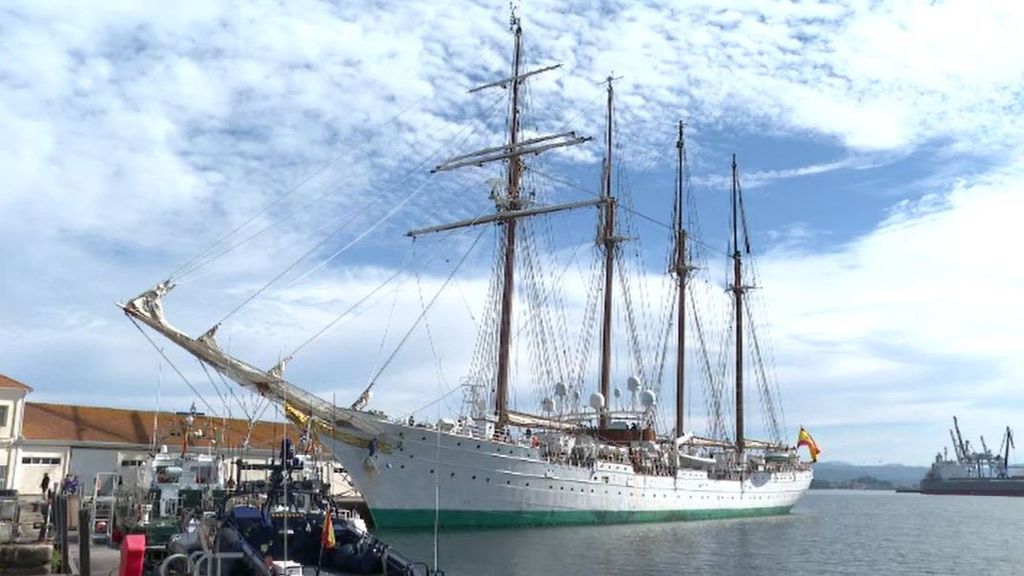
(805, 439)
(327, 537)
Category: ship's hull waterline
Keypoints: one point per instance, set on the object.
(412, 477)
(974, 487)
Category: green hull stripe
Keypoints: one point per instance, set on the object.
(393, 519)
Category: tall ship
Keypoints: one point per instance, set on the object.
(603, 460)
(972, 472)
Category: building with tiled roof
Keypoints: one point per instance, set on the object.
(57, 439)
(11, 383)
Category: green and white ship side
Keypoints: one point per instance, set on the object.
(473, 482)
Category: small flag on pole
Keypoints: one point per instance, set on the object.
(327, 538)
(805, 439)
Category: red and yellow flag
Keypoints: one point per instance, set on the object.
(805, 439)
(327, 537)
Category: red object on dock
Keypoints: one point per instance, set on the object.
(133, 549)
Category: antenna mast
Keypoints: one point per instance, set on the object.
(608, 241)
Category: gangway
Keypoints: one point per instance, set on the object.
(103, 499)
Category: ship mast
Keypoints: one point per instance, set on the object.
(608, 241)
(508, 286)
(737, 291)
(511, 206)
(681, 269)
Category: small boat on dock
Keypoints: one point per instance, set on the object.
(284, 526)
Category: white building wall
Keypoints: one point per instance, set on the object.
(13, 403)
(6, 466)
(33, 462)
(131, 467)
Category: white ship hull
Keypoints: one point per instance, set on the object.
(410, 472)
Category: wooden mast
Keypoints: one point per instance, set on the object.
(608, 241)
(511, 206)
(737, 290)
(682, 270)
(508, 287)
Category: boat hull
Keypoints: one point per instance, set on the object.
(974, 487)
(407, 473)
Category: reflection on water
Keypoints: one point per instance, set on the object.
(829, 532)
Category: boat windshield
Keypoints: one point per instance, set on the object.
(204, 474)
(168, 474)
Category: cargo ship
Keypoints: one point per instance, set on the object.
(971, 472)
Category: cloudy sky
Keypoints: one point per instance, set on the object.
(879, 148)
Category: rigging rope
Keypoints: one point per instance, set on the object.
(172, 365)
(441, 380)
(364, 299)
(339, 230)
(223, 398)
(405, 338)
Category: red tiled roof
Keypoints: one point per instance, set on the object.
(64, 422)
(8, 382)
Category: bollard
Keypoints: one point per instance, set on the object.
(84, 542)
(44, 529)
(62, 534)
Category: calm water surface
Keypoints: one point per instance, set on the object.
(828, 532)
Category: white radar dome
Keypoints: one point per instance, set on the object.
(648, 399)
(633, 383)
(597, 401)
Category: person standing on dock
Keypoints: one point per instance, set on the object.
(45, 483)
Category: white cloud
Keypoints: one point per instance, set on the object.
(135, 134)
(908, 322)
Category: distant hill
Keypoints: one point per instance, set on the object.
(897, 474)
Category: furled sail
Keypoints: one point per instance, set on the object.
(148, 309)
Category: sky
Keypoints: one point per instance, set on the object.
(878, 148)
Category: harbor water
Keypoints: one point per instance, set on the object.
(828, 532)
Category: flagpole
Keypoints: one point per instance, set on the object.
(320, 560)
(326, 536)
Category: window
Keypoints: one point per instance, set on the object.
(131, 462)
(3, 416)
(3, 476)
(39, 460)
(168, 474)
